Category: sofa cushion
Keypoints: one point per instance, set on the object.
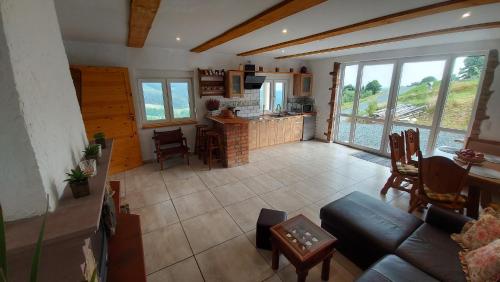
(481, 232)
(393, 268)
(434, 252)
(482, 264)
(367, 228)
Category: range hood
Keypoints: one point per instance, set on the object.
(251, 80)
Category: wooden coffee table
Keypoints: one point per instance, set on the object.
(304, 244)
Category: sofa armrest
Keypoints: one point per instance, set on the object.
(446, 220)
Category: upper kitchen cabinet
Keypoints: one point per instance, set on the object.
(234, 84)
(302, 84)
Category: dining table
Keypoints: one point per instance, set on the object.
(482, 177)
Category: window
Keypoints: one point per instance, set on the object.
(166, 99)
(273, 95)
(436, 94)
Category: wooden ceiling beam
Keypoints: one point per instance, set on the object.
(380, 21)
(398, 38)
(269, 16)
(142, 14)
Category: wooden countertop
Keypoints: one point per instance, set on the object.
(223, 120)
(72, 217)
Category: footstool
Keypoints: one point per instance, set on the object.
(267, 219)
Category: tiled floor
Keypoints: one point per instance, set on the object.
(199, 225)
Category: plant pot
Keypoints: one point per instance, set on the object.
(96, 158)
(80, 189)
(101, 142)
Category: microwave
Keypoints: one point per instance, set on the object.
(307, 108)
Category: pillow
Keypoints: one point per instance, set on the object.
(482, 264)
(480, 232)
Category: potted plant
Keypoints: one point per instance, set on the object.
(100, 138)
(212, 105)
(92, 152)
(79, 183)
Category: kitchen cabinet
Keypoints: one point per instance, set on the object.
(271, 132)
(280, 131)
(274, 131)
(253, 135)
(288, 129)
(297, 129)
(302, 84)
(234, 84)
(263, 141)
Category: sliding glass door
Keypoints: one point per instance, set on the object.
(417, 95)
(460, 101)
(437, 95)
(371, 105)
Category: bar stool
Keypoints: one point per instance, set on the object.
(212, 142)
(199, 138)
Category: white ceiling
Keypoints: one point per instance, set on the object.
(196, 21)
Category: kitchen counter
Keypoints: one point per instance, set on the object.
(234, 133)
(224, 120)
(268, 116)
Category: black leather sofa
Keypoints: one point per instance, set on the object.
(392, 245)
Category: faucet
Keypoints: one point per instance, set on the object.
(278, 108)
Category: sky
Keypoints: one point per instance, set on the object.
(412, 72)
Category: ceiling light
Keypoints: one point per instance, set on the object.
(466, 15)
(284, 31)
(282, 51)
(178, 38)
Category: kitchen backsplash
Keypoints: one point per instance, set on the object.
(249, 105)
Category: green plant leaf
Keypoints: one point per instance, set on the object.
(38, 249)
(3, 250)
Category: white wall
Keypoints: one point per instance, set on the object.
(490, 129)
(42, 133)
(162, 62)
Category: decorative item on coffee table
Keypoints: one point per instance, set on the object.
(304, 244)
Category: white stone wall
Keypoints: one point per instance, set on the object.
(43, 134)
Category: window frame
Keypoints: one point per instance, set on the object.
(397, 71)
(272, 94)
(167, 102)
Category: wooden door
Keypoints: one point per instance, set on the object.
(263, 141)
(253, 135)
(298, 124)
(280, 131)
(288, 129)
(107, 106)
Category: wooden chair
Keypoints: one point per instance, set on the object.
(412, 141)
(400, 170)
(441, 182)
(169, 143)
(213, 147)
(198, 146)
